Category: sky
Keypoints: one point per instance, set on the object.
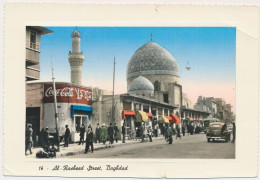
(209, 51)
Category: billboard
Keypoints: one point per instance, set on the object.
(67, 94)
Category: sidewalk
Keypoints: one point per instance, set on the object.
(79, 149)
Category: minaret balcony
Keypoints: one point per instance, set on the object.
(76, 56)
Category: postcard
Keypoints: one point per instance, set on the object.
(131, 91)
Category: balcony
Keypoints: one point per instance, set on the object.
(32, 74)
(32, 56)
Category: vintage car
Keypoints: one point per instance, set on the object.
(218, 130)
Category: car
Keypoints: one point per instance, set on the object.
(218, 131)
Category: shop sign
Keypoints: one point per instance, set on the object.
(67, 94)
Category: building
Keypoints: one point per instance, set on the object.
(33, 44)
(224, 112)
(73, 99)
(76, 59)
(206, 104)
(154, 92)
(73, 104)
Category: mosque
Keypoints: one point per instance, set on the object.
(154, 93)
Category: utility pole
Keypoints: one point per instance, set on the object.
(113, 98)
(55, 106)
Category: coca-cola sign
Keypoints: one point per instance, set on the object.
(67, 94)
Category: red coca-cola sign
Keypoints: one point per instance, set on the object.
(67, 94)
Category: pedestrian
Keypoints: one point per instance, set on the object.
(142, 132)
(183, 130)
(156, 127)
(165, 131)
(104, 133)
(123, 132)
(82, 134)
(116, 132)
(28, 139)
(98, 133)
(111, 133)
(234, 132)
(41, 135)
(89, 140)
(178, 132)
(169, 133)
(45, 138)
(149, 131)
(67, 136)
(138, 133)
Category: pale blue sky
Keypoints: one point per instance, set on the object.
(211, 52)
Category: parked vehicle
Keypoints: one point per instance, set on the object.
(206, 123)
(217, 131)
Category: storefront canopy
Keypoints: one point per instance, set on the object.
(163, 119)
(188, 118)
(175, 119)
(212, 119)
(87, 109)
(197, 119)
(170, 119)
(127, 112)
(141, 116)
(149, 114)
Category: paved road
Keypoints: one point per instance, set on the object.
(189, 147)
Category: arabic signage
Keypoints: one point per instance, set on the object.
(67, 94)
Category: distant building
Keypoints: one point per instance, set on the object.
(206, 104)
(33, 44)
(224, 111)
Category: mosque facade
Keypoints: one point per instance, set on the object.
(154, 93)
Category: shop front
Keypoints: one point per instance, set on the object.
(73, 108)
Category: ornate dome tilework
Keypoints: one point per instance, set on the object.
(152, 59)
(141, 84)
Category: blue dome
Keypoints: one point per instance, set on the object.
(152, 59)
(141, 85)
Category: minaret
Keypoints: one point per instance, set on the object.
(76, 59)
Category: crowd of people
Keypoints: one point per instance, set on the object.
(111, 134)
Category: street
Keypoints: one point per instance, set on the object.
(189, 147)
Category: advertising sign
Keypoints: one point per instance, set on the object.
(67, 94)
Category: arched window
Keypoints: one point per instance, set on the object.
(156, 86)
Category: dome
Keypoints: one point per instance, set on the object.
(152, 59)
(141, 85)
(75, 34)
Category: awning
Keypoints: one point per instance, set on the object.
(141, 116)
(188, 118)
(170, 119)
(212, 119)
(149, 114)
(163, 119)
(175, 119)
(87, 109)
(197, 119)
(127, 112)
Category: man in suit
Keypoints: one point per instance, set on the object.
(111, 134)
(67, 136)
(116, 131)
(89, 140)
(123, 132)
(82, 134)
